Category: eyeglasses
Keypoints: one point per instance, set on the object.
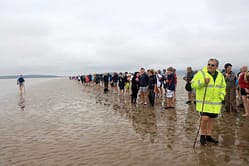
(211, 65)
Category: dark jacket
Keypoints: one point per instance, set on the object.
(144, 80)
(152, 81)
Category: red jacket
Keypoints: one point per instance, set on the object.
(242, 82)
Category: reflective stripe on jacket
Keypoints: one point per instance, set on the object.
(215, 94)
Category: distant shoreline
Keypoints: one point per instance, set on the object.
(29, 76)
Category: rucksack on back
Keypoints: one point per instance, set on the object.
(21, 79)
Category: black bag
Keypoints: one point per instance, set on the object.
(188, 87)
(21, 80)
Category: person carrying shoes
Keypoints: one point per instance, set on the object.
(20, 82)
(210, 88)
(189, 76)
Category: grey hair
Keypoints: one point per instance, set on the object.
(213, 59)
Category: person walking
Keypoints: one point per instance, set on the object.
(152, 87)
(20, 82)
(134, 87)
(114, 82)
(244, 90)
(144, 82)
(170, 88)
(230, 98)
(121, 83)
(189, 76)
(159, 79)
(106, 82)
(210, 88)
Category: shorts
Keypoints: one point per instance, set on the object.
(159, 85)
(170, 93)
(243, 92)
(143, 89)
(21, 84)
(127, 85)
(115, 84)
(210, 115)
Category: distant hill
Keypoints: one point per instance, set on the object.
(28, 76)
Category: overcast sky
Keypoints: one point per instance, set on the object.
(66, 37)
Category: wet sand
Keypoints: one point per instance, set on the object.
(64, 123)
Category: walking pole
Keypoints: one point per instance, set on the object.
(200, 116)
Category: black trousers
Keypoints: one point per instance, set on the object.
(134, 95)
(152, 97)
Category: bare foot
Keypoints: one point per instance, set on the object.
(245, 115)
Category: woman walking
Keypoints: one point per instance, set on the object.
(134, 87)
(244, 90)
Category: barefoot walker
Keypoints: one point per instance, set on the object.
(20, 82)
(211, 83)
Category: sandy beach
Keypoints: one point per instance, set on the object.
(63, 123)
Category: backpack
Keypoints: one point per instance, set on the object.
(21, 80)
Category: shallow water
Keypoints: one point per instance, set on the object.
(64, 123)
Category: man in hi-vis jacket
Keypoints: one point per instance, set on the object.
(210, 88)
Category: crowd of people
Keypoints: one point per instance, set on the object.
(147, 85)
(209, 89)
(144, 85)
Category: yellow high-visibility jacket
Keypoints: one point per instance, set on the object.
(215, 93)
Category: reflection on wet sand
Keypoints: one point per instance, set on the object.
(144, 123)
(21, 102)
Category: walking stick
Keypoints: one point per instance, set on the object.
(200, 116)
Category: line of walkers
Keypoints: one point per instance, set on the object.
(145, 85)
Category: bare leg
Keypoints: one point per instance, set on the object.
(171, 102)
(142, 97)
(245, 103)
(21, 87)
(209, 126)
(145, 97)
(204, 121)
(189, 96)
(209, 131)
